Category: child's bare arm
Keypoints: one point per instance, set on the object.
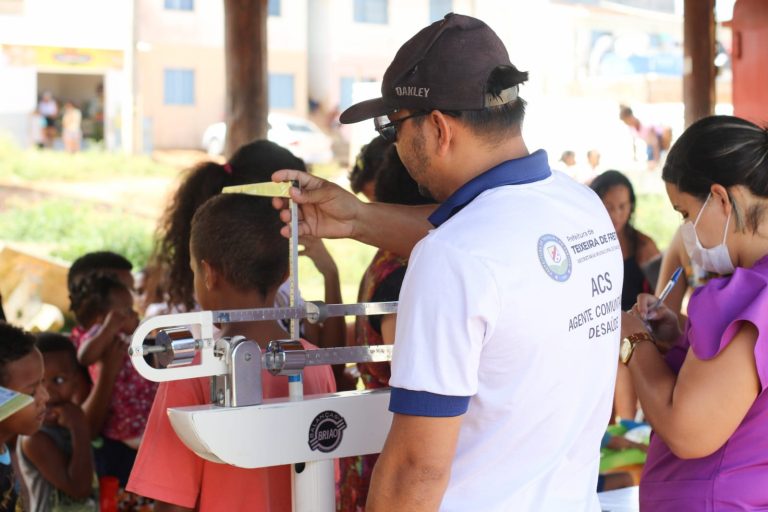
(96, 406)
(73, 476)
(93, 348)
(333, 330)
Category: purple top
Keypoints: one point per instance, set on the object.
(735, 477)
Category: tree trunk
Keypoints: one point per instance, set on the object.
(245, 50)
(699, 66)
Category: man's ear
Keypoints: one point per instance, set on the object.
(444, 129)
(211, 276)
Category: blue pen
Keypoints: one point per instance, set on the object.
(663, 295)
(668, 288)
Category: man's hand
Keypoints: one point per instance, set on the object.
(325, 209)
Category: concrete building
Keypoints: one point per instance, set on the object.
(161, 62)
(354, 41)
(180, 84)
(74, 49)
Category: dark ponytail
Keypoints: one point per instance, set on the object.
(252, 163)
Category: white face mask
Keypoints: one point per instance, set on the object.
(716, 259)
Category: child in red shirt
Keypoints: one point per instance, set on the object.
(239, 260)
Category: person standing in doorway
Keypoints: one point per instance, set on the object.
(49, 109)
(71, 123)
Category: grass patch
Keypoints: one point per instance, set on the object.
(69, 229)
(92, 165)
(655, 217)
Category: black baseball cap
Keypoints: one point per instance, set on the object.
(445, 66)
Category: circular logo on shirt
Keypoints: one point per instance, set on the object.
(326, 431)
(554, 257)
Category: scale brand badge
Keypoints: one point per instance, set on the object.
(554, 257)
(326, 431)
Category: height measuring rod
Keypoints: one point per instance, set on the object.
(304, 482)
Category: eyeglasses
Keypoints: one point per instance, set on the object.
(388, 129)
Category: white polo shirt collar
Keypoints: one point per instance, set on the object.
(528, 169)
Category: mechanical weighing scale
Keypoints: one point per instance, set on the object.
(242, 428)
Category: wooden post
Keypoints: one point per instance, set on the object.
(699, 65)
(245, 50)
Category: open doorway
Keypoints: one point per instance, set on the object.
(85, 92)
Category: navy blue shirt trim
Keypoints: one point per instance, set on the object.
(424, 403)
(528, 169)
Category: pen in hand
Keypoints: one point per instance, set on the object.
(662, 296)
(668, 288)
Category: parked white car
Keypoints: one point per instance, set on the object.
(303, 138)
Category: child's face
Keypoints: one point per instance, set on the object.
(25, 375)
(60, 378)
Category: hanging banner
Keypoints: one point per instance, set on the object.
(57, 58)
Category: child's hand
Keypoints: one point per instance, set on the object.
(121, 321)
(115, 321)
(315, 250)
(131, 322)
(67, 415)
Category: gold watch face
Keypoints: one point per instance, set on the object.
(626, 350)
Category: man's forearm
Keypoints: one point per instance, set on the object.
(393, 227)
(406, 486)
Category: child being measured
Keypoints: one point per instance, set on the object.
(56, 462)
(21, 370)
(239, 260)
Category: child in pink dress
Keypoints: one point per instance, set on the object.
(104, 308)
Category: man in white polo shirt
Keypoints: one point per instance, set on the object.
(508, 325)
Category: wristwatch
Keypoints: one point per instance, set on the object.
(628, 345)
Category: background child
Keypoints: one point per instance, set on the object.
(239, 259)
(104, 307)
(56, 462)
(104, 262)
(21, 369)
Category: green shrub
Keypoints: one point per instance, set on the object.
(70, 229)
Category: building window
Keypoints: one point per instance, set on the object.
(273, 8)
(439, 8)
(281, 91)
(179, 87)
(180, 5)
(371, 11)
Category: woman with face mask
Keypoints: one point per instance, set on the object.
(705, 397)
